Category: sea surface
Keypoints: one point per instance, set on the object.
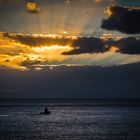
(70, 119)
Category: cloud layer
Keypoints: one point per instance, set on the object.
(124, 19)
(22, 51)
(79, 45)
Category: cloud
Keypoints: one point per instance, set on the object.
(128, 45)
(32, 7)
(38, 40)
(21, 51)
(123, 19)
(86, 45)
(105, 82)
(29, 62)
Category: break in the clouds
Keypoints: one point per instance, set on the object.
(124, 19)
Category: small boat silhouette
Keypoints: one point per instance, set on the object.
(46, 111)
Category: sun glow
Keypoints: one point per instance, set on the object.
(17, 55)
(51, 48)
(114, 49)
(51, 53)
(21, 54)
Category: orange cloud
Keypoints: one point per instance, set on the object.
(18, 55)
(114, 49)
(32, 7)
(108, 11)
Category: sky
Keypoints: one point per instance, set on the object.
(69, 48)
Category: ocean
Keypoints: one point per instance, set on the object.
(20, 119)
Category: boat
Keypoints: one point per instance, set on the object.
(46, 111)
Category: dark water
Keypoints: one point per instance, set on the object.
(76, 120)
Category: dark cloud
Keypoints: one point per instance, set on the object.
(124, 19)
(87, 45)
(128, 45)
(29, 62)
(94, 82)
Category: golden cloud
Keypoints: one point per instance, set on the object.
(19, 55)
(32, 7)
(108, 11)
(114, 49)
